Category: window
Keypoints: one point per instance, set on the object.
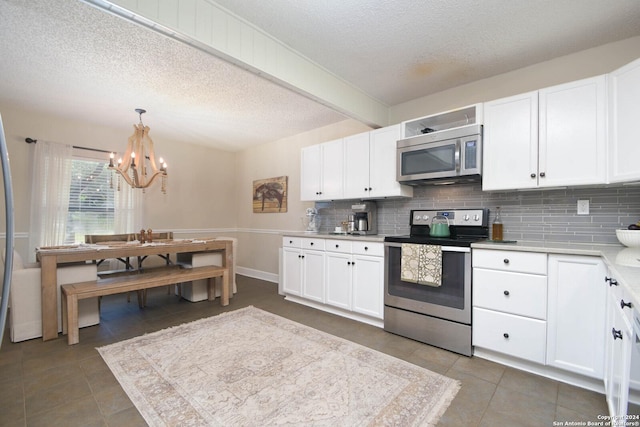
(91, 200)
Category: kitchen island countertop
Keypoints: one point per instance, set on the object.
(623, 262)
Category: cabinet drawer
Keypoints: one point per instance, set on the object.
(516, 336)
(515, 293)
(314, 244)
(368, 248)
(341, 246)
(523, 262)
(291, 242)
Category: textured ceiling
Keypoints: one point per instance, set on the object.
(71, 59)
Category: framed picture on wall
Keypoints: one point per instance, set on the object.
(270, 195)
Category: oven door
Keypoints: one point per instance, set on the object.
(450, 301)
(439, 159)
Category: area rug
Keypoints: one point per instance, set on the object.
(249, 367)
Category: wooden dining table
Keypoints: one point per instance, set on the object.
(51, 257)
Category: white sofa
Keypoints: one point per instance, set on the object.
(25, 300)
(197, 290)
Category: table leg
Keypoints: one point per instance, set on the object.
(49, 286)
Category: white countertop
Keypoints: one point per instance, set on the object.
(623, 262)
(341, 236)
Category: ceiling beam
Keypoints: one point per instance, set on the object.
(209, 27)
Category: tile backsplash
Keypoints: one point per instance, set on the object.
(537, 215)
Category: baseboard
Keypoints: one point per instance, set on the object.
(257, 274)
(335, 310)
(577, 380)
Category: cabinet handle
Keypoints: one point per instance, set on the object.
(365, 189)
(611, 280)
(533, 175)
(542, 174)
(506, 293)
(290, 242)
(302, 256)
(625, 304)
(366, 248)
(505, 335)
(348, 262)
(616, 334)
(311, 243)
(370, 188)
(506, 260)
(337, 246)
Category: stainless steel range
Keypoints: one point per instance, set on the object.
(436, 315)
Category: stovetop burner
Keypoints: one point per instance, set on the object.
(466, 226)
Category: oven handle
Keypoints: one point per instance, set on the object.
(444, 248)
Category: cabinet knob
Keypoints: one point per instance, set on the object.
(505, 335)
(506, 293)
(348, 262)
(506, 260)
(542, 174)
(616, 334)
(365, 189)
(311, 243)
(366, 248)
(611, 280)
(370, 188)
(625, 304)
(533, 175)
(337, 246)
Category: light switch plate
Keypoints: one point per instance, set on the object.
(583, 207)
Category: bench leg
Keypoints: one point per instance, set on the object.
(224, 294)
(73, 331)
(64, 312)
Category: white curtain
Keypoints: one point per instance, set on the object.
(128, 209)
(51, 184)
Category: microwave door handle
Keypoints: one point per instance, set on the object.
(457, 156)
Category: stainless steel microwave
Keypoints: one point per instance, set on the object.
(451, 155)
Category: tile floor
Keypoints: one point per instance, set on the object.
(53, 384)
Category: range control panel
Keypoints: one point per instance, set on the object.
(459, 217)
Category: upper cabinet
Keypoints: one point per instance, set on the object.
(548, 138)
(624, 104)
(361, 166)
(370, 165)
(322, 171)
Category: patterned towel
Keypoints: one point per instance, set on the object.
(421, 264)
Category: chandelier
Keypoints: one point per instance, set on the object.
(138, 165)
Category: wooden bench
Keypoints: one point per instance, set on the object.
(134, 282)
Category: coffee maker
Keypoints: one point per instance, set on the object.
(363, 219)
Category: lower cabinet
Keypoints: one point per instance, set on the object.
(352, 276)
(540, 308)
(576, 315)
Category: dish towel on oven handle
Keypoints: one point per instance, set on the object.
(421, 264)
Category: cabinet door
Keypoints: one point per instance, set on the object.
(292, 271)
(624, 104)
(356, 153)
(310, 173)
(576, 317)
(338, 280)
(510, 144)
(368, 285)
(572, 140)
(382, 160)
(618, 340)
(332, 176)
(313, 275)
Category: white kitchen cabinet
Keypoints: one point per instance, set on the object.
(576, 314)
(624, 104)
(548, 138)
(338, 273)
(322, 171)
(368, 285)
(370, 165)
(352, 276)
(618, 344)
(303, 267)
(510, 303)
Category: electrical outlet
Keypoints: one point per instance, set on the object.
(583, 207)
